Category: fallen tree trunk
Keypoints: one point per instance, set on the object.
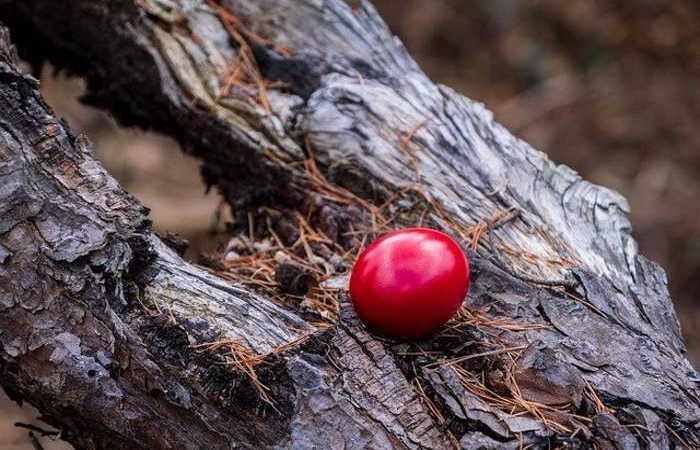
(313, 109)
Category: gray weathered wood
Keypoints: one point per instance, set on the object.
(103, 326)
(380, 128)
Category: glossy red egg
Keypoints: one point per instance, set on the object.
(409, 282)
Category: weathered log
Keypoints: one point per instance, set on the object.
(574, 327)
(101, 323)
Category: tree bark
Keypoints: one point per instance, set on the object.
(568, 336)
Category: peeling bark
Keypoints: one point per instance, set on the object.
(92, 299)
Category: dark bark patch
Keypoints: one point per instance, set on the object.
(166, 340)
(300, 74)
(544, 378)
(292, 279)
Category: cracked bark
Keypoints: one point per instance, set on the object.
(102, 325)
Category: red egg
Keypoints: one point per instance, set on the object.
(409, 282)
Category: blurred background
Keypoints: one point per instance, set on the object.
(608, 87)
